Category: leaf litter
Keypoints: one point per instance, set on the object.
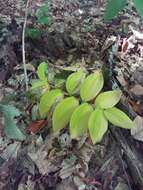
(44, 161)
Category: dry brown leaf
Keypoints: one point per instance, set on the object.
(35, 126)
(137, 131)
(137, 90)
(68, 167)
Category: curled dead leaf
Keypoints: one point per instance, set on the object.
(35, 126)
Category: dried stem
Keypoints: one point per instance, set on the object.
(23, 45)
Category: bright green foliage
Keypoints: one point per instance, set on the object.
(91, 86)
(63, 112)
(41, 71)
(139, 6)
(82, 118)
(97, 125)
(113, 7)
(49, 101)
(10, 128)
(118, 118)
(42, 14)
(74, 81)
(79, 120)
(108, 99)
(39, 84)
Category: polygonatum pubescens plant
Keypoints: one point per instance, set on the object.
(83, 106)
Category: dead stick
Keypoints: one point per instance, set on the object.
(23, 45)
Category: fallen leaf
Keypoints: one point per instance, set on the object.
(137, 90)
(137, 34)
(11, 151)
(68, 167)
(137, 107)
(125, 45)
(29, 67)
(137, 130)
(35, 126)
(122, 186)
(10, 128)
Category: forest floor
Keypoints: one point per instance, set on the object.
(77, 36)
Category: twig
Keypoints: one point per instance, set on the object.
(23, 45)
(62, 68)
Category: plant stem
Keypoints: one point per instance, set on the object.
(23, 45)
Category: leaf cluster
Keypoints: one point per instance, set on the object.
(82, 107)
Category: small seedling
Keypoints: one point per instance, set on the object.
(42, 19)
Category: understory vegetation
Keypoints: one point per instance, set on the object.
(71, 95)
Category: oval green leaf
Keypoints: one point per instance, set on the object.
(91, 86)
(63, 112)
(74, 81)
(39, 84)
(49, 100)
(108, 99)
(97, 125)
(41, 71)
(118, 118)
(79, 120)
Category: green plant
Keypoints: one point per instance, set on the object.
(84, 108)
(42, 18)
(42, 82)
(114, 6)
(33, 33)
(42, 14)
(40, 85)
